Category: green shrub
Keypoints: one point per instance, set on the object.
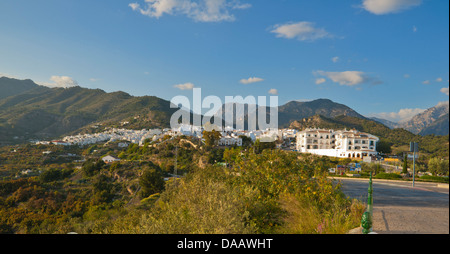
(388, 176)
(439, 179)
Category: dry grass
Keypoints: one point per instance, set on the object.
(303, 217)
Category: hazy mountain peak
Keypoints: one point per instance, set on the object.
(422, 121)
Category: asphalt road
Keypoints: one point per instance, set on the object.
(398, 208)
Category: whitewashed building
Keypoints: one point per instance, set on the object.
(341, 143)
(230, 141)
(110, 159)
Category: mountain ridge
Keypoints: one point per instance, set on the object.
(30, 111)
(41, 112)
(434, 120)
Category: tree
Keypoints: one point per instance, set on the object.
(151, 182)
(259, 146)
(438, 166)
(211, 138)
(50, 175)
(405, 164)
(216, 155)
(103, 189)
(384, 147)
(246, 141)
(90, 168)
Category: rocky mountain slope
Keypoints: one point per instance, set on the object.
(433, 121)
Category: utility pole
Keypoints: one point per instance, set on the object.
(176, 164)
(414, 148)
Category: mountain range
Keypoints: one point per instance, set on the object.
(291, 111)
(30, 111)
(434, 120)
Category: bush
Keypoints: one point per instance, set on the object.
(439, 179)
(438, 166)
(54, 174)
(151, 182)
(201, 203)
(392, 176)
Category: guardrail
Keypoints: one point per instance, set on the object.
(367, 217)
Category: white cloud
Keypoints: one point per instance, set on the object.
(439, 80)
(348, 78)
(302, 31)
(251, 80)
(426, 82)
(335, 59)
(134, 6)
(407, 76)
(240, 6)
(320, 81)
(414, 29)
(273, 91)
(400, 116)
(381, 7)
(444, 90)
(198, 10)
(185, 86)
(60, 81)
(7, 76)
(443, 104)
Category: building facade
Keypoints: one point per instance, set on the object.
(230, 141)
(340, 143)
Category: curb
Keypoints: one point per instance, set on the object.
(358, 231)
(432, 184)
(355, 231)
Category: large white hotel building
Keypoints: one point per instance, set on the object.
(341, 143)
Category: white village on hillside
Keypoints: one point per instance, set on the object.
(333, 143)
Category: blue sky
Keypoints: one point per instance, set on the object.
(385, 58)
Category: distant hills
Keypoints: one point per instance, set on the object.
(434, 120)
(295, 110)
(30, 111)
(11, 87)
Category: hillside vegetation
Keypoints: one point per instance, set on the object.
(59, 195)
(41, 112)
